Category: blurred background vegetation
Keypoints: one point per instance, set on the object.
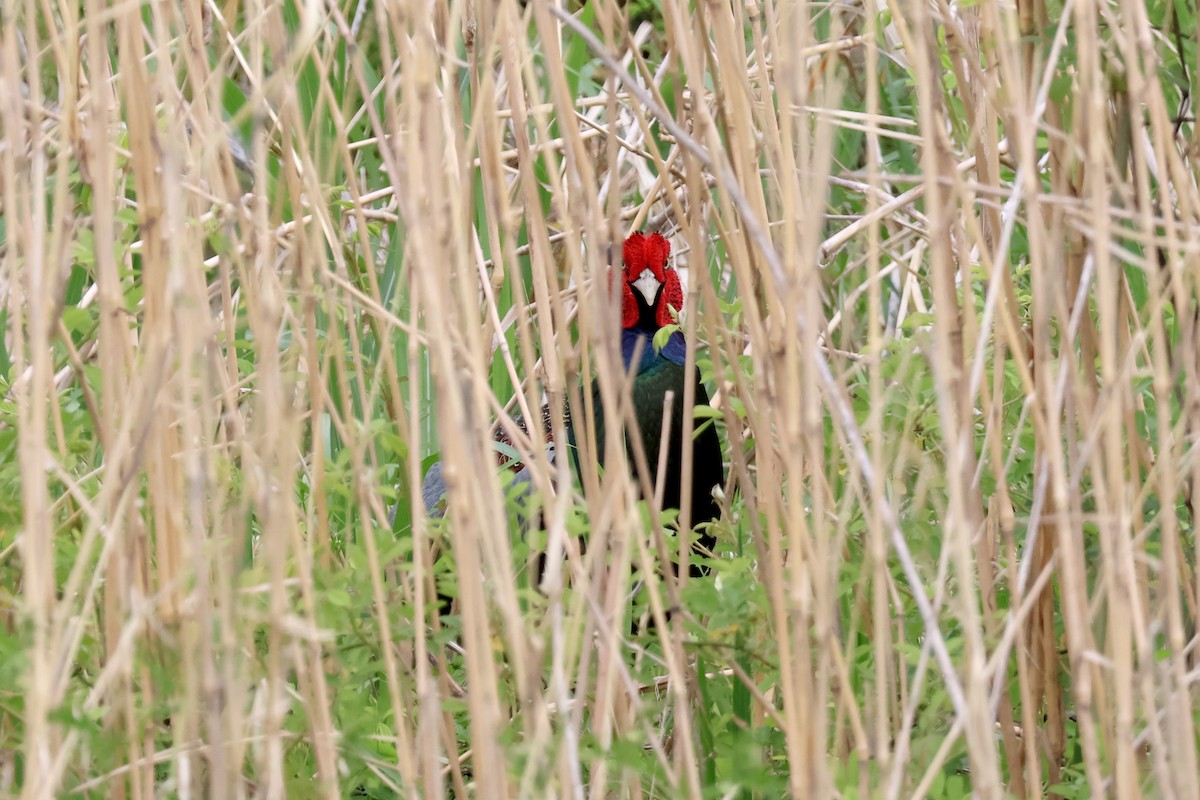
(264, 261)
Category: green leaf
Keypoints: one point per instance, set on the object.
(914, 321)
(338, 597)
(662, 335)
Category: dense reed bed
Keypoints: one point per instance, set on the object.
(264, 261)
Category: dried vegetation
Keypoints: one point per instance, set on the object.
(262, 259)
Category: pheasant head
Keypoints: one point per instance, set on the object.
(647, 272)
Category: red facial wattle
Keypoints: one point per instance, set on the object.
(629, 306)
(641, 253)
(672, 296)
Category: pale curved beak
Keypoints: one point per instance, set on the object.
(648, 285)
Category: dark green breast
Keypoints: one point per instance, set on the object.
(659, 373)
(649, 390)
